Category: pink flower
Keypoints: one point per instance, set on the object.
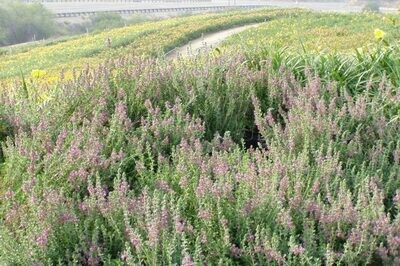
(133, 238)
(297, 250)
(220, 167)
(153, 233)
(383, 252)
(205, 214)
(28, 185)
(396, 198)
(204, 186)
(285, 219)
(163, 185)
(235, 251)
(43, 239)
(78, 175)
(355, 237)
(179, 224)
(67, 217)
(124, 255)
(187, 261)
(275, 255)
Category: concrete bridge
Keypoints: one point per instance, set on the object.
(67, 14)
(76, 8)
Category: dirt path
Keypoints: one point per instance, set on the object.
(207, 42)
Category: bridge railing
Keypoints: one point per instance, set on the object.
(155, 10)
(116, 1)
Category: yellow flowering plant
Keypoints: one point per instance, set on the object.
(38, 73)
(379, 34)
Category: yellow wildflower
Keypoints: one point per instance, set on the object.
(379, 34)
(37, 73)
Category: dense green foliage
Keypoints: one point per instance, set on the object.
(23, 23)
(106, 21)
(372, 6)
(101, 22)
(240, 157)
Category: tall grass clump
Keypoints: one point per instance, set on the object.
(351, 70)
(144, 161)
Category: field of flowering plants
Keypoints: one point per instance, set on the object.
(259, 153)
(319, 32)
(151, 38)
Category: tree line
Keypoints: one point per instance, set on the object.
(20, 22)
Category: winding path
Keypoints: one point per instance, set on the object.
(207, 42)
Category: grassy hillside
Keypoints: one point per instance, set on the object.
(350, 49)
(151, 38)
(302, 30)
(319, 32)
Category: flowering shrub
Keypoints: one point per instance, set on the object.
(150, 166)
(232, 159)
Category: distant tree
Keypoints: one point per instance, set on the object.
(372, 6)
(106, 21)
(20, 22)
(3, 25)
